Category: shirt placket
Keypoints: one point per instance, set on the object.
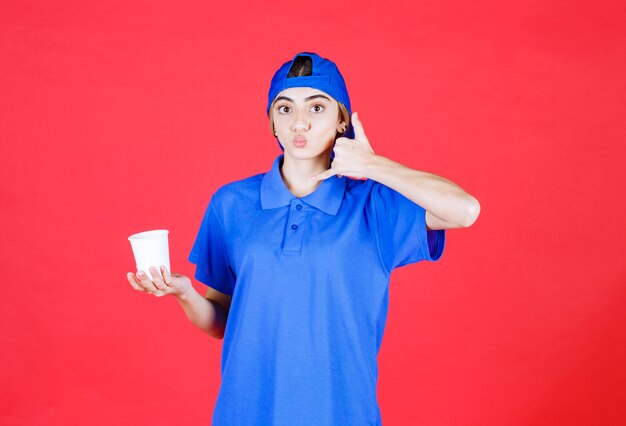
(294, 231)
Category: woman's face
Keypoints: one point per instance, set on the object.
(306, 121)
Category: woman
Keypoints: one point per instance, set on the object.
(297, 260)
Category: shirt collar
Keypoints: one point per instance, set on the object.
(327, 197)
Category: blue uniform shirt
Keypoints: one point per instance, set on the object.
(310, 284)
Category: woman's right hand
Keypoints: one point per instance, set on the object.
(174, 284)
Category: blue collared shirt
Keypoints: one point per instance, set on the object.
(309, 279)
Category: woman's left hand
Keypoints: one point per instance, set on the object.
(352, 156)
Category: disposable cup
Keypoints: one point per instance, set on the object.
(151, 248)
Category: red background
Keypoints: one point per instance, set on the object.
(118, 117)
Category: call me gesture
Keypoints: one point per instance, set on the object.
(447, 205)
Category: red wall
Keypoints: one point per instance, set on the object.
(118, 117)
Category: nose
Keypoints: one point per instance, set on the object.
(300, 122)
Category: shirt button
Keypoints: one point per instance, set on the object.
(299, 207)
(294, 227)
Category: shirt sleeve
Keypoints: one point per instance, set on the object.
(210, 256)
(402, 234)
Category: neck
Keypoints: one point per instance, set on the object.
(297, 173)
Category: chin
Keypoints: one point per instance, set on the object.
(307, 154)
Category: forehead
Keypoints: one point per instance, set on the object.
(301, 93)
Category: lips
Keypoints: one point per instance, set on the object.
(299, 141)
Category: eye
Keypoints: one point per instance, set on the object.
(283, 109)
(318, 108)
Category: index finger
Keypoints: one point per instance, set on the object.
(133, 282)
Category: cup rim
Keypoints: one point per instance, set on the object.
(146, 235)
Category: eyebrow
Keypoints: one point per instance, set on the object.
(285, 98)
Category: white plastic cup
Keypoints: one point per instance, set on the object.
(151, 249)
